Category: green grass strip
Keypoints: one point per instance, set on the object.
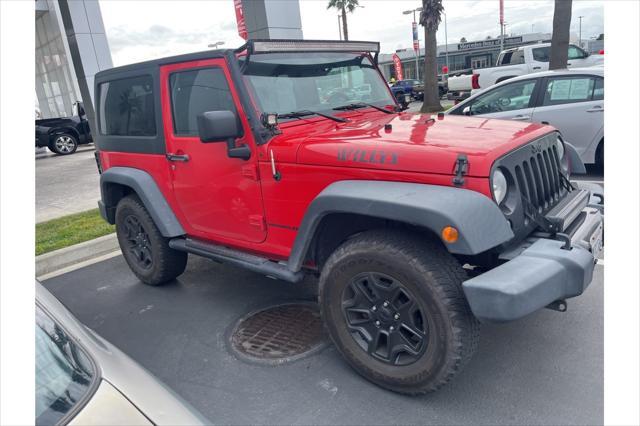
(69, 230)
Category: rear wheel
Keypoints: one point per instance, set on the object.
(64, 144)
(144, 248)
(394, 307)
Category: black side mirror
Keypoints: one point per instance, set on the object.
(222, 126)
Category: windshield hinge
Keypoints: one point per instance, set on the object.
(462, 165)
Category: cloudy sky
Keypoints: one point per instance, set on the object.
(146, 29)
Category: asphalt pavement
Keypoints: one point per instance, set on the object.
(66, 184)
(544, 369)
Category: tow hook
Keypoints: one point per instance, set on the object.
(558, 305)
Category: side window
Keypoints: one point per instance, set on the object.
(598, 90)
(194, 92)
(64, 374)
(518, 57)
(509, 97)
(541, 54)
(576, 53)
(126, 107)
(564, 90)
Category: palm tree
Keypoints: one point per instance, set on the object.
(344, 6)
(430, 17)
(560, 37)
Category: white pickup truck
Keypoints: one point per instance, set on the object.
(519, 61)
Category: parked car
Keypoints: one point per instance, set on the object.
(82, 379)
(232, 155)
(63, 135)
(570, 100)
(520, 61)
(412, 87)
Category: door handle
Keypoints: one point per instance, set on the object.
(536, 68)
(596, 109)
(178, 157)
(521, 117)
(568, 63)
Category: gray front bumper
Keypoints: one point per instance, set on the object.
(540, 274)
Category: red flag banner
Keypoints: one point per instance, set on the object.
(501, 12)
(242, 26)
(416, 41)
(398, 67)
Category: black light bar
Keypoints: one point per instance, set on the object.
(281, 46)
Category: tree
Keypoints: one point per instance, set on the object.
(560, 37)
(430, 17)
(344, 6)
(463, 40)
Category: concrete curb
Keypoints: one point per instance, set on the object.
(65, 257)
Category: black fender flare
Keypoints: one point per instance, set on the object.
(480, 223)
(575, 162)
(146, 188)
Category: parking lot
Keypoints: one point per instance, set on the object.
(66, 184)
(544, 369)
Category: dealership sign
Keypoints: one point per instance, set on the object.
(398, 66)
(242, 26)
(488, 43)
(416, 42)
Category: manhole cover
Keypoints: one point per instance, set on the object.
(279, 333)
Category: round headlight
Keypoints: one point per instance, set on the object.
(499, 184)
(560, 148)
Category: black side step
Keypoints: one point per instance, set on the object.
(238, 258)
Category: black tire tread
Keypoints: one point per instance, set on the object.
(428, 256)
(169, 263)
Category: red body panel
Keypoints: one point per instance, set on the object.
(239, 203)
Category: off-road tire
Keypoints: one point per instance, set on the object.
(63, 144)
(166, 263)
(434, 276)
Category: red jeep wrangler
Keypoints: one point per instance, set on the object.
(292, 157)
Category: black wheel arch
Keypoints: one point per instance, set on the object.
(118, 182)
(346, 208)
(54, 133)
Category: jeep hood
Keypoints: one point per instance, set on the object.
(421, 143)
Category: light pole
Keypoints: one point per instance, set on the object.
(446, 42)
(339, 27)
(580, 31)
(215, 45)
(415, 51)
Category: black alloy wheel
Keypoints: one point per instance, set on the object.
(138, 243)
(385, 319)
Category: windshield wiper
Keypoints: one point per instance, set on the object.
(357, 105)
(305, 112)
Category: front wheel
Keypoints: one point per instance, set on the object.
(64, 144)
(144, 248)
(394, 307)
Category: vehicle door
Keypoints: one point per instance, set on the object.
(574, 104)
(513, 101)
(539, 60)
(578, 58)
(216, 195)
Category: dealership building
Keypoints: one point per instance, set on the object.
(459, 56)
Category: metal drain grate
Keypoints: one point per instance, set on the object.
(279, 333)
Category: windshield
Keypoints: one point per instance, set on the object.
(288, 82)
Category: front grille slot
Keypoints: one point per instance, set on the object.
(535, 170)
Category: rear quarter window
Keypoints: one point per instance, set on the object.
(126, 107)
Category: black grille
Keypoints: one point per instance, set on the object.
(535, 175)
(538, 178)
